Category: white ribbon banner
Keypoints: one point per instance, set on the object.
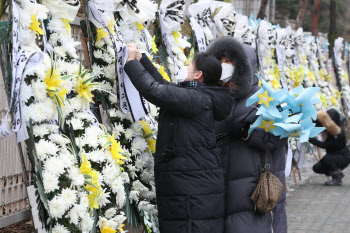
(130, 99)
(22, 62)
(25, 61)
(165, 37)
(261, 70)
(281, 66)
(198, 30)
(289, 160)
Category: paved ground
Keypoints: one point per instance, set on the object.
(315, 208)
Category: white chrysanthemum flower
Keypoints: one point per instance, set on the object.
(69, 196)
(39, 90)
(45, 110)
(138, 145)
(59, 139)
(76, 177)
(54, 165)
(117, 130)
(139, 164)
(40, 130)
(45, 148)
(129, 134)
(74, 214)
(109, 72)
(52, 128)
(86, 223)
(60, 51)
(91, 136)
(120, 198)
(56, 24)
(98, 53)
(134, 196)
(67, 158)
(96, 156)
(106, 86)
(26, 92)
(26, 37)
(125, 177)
(110, 213)
(54, 38)
(56, 207)
(132, 171)
(104, 199)
(76, 123)
(50, 182)
(108, 58)
(119, 219)
(112, 112)
(121, 115)
(60, 229)
(113, 99)
(110, 173)
(100, 43)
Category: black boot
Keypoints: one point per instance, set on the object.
(337, 177)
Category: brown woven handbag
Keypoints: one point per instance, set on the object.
(269, 189)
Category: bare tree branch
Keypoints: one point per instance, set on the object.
(262, 10)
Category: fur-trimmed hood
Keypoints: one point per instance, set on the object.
(234, 51)
(330, 120)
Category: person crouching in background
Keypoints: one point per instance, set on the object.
(334, 142)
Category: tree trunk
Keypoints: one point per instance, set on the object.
(262, 10)
(301, 14)
(315, 15)
(333, 25)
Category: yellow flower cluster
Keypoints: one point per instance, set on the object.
(148, 135)
(116, 151)
(91, 177)
(84, 85)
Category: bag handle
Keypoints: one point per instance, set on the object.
(266, 162)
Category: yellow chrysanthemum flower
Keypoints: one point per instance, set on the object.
(154, 46)
(101, 33)
(323, 100)
(139, 26)
(176, 35)
(115, 150)
(66, 25)
(84, 85)
(150, 140)
(54, 85)
(111, 25)
(35, 25)
(108, 230)
(164, 74)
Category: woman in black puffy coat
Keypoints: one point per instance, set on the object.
(188, 174)
(241, 153)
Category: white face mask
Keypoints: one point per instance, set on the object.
(182, 75)
(227, 71)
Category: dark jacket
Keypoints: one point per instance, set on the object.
(336, 141)
(188, 174)
(241, 153)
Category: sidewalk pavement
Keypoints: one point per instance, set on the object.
(315, 208)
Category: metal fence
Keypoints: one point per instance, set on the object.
(13, 197)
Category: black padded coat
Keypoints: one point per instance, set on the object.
(188, 174)
(241, 154)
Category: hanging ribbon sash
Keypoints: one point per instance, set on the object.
(130, 99)
(289, 160)
(281, 66)
(261, 70)
(165, 37)
(25, 61)
(198, 30)
(144, 38)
